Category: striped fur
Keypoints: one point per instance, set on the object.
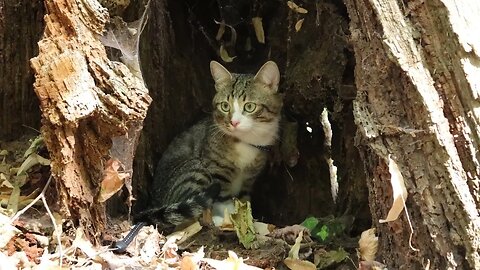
(215, 159)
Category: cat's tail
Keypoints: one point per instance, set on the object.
(179, 212)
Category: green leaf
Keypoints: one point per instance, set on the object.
(310, 223)
(329, 258)
(323, 233)
(242, 221)
(34, 146)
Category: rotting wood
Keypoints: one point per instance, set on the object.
(414, 102)
(92, 108)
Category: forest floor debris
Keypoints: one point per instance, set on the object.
(28, 239)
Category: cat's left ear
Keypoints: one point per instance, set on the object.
(269, 75)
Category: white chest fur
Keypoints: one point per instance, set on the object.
(245, 155)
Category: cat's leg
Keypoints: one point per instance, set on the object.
(220, 209)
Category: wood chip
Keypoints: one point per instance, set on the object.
(299, 24)
(258, 26)
(296, 8)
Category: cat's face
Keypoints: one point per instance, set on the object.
(247, 106)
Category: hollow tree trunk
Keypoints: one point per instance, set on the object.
(418, 79)
(20, 29)
(92, 108)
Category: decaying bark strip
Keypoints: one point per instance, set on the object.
(88, 104)
(416, 100)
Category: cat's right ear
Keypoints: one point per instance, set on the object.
(219, 73)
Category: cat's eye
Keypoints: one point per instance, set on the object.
(224, 106)
(249, 107)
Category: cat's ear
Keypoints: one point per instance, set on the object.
(269, 75)
(219, 73)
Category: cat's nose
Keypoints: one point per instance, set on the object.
(234, 123)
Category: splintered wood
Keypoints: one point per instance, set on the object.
(86, 100)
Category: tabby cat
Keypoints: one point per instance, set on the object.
(219, 157)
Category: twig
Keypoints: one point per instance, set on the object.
(55, 227)
(42, 196)
(19, 213)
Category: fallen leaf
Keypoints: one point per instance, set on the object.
(325, 259)
(296, 8)
(84, 245)
(399, 192)
(187, 263)
(224, 55)
(227, 224)
(185, 234)
(263, 228)
(374, 265)
(367, 245)
(295, 249)
(233, 262)
(299, 24)
(258, 26)
(32, 160)
(7, 231)
(151, 248)
(113, 180)
(190, 261)
(221, 30)
(14, 199)
(296, 264)
(34, 146)
(242, 221)
(290, 233)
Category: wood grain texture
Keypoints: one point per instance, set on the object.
(414, 103)
(88, 103)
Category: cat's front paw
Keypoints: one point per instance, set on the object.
(221, 212)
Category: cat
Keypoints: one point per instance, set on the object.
(219, 157)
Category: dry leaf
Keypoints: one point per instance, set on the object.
(290, 233)
(227, 224)
(296, 8)
(399, 192)
(363, 265)
(112, 181)
(151, 248)
(367, 245)
(85, 245)
(293, 253)
(296, 264)
(221, 30)
(324, 259)
(230, 263)
(14, 199)
(224, 55)
(32, 160)
(187, 263)
(7, 231)
(258, 26)
(183, 235)
(263, 228)
(299, 24)
(190, 261)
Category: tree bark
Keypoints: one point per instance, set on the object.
(92, 108)
(20, 29)
(418, 79)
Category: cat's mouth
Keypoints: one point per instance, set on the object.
(234, 131)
